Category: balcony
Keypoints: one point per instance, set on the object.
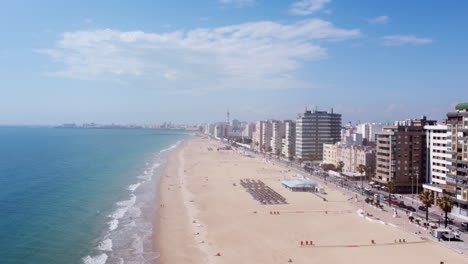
(455, 180)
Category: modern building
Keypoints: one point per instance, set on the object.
(277, 136)
(368, 130)
(351, 155)
(437, 162)
(289, 140)
(401, 155)
(248, 131)
(457, 176)
(221, 130)
(267, 133)
(262, 135)
(313, 129)
(257, 135)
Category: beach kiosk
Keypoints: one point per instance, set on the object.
(300, 185)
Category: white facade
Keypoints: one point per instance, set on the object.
(329, 154)
(220, 130)
(289, 140)
(249, 130)
(368, 130)
(278, 133)
(437, 137)
(267, 133)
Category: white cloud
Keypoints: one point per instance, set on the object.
(258, 55)
(400, 40)
(378, 20)
(238, 3)
(307, 7)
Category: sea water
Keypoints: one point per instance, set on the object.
(80, 195)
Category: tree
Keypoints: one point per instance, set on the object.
(361, 169)
(390, 189)
(446, 204)
(328, 166)
(340, 166)
(427, 199)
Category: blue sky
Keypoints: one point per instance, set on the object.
(188, 61)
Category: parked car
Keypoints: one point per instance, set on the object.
(422, 208)
(401, 204)
(410, 208)
(464, 224)
(396, 203)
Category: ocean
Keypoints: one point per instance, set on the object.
(80, 195)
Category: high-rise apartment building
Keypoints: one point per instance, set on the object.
(368, 130)
(248, 131)
(277, 135)
(257, 135)
(437, 162)
(267, 133)
(457, 176)
(313, 129)
(289, 140)
(401, 155)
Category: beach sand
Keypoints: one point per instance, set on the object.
(204, 211)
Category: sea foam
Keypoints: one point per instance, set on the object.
(105, 245)
(99, 259)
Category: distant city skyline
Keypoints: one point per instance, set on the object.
(189, 61)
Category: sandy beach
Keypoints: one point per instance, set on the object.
(205, 211)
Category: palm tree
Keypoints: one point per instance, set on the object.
(427, 199)
(390, 189)
(361, 169)
(446, 204)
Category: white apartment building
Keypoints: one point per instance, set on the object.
(257, 135)
(278, 133)
(267, 133)
(329, 154)
(437, 155)
(210, 129)
(368, 130)
(289, 140)
(220, 130)
(351, 155)
(354, 155)
(248, 131)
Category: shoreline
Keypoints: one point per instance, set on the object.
(172, 231)
(204, 211)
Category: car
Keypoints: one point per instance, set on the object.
(393, 197)
(395, 203)
(422, 208)
(410, 208)
(464, 224)
(402, 204)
